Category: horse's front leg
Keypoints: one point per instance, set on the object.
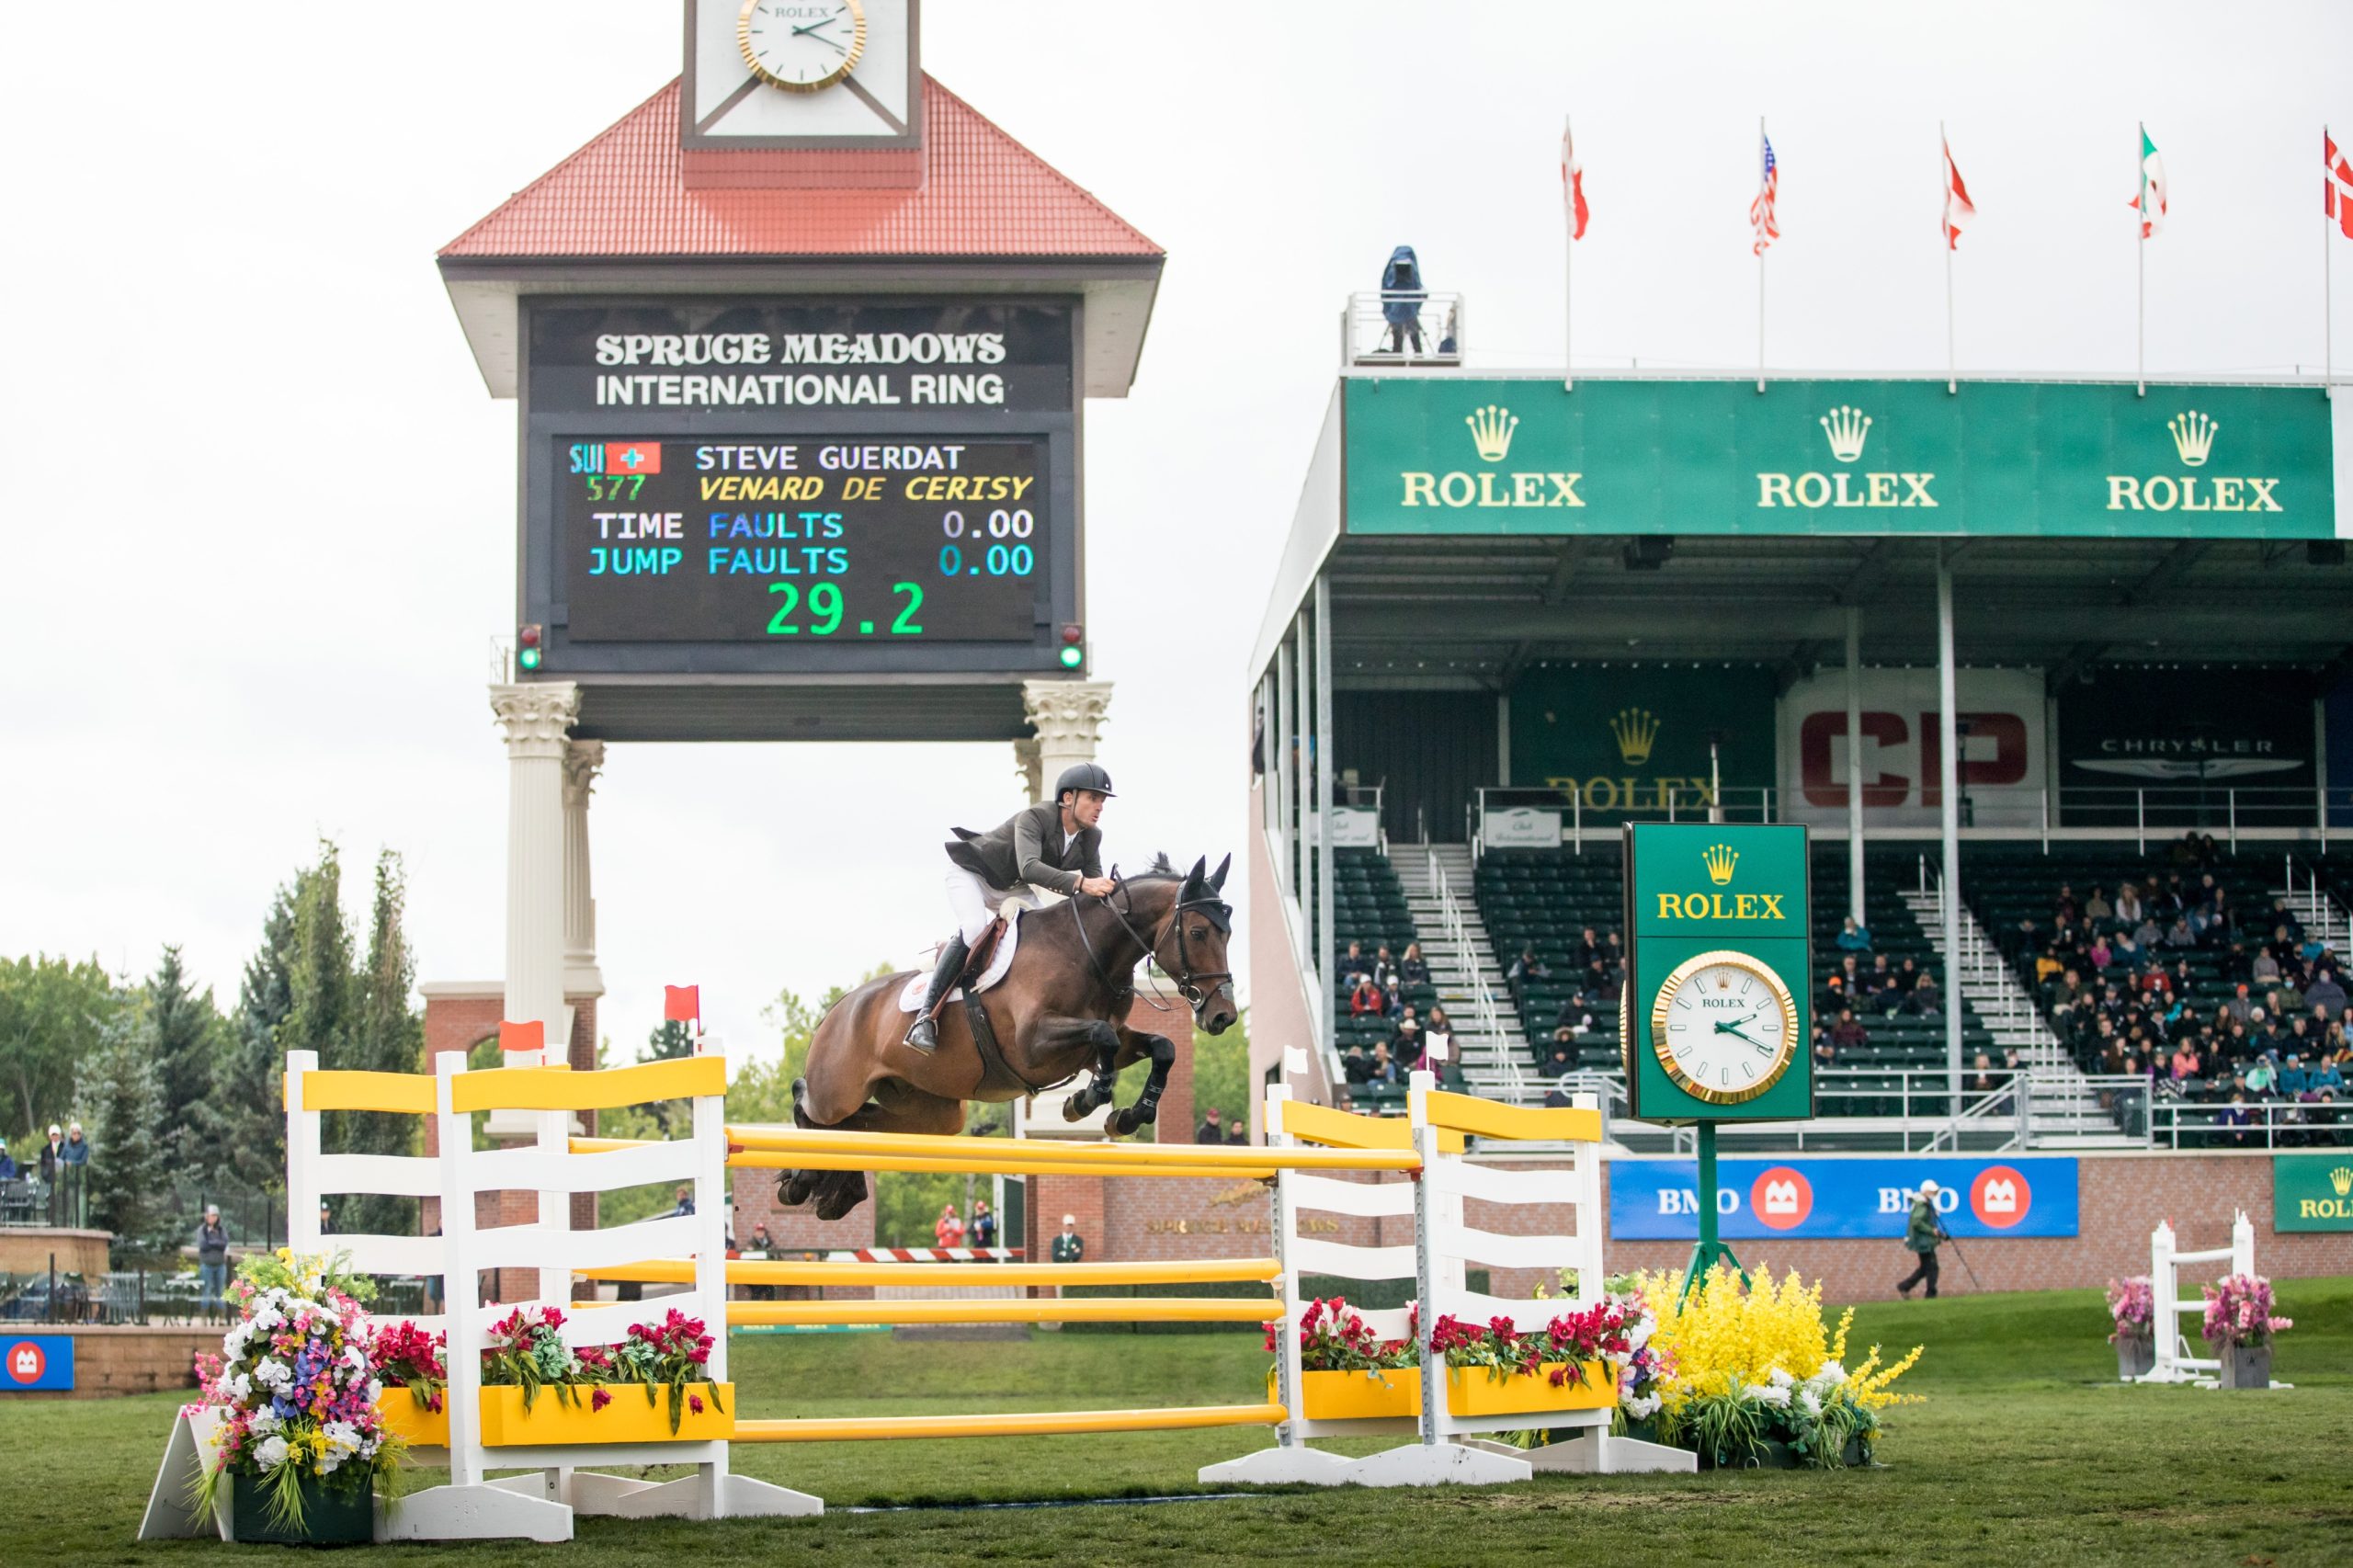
(1055, 1034)
(1136, 1045)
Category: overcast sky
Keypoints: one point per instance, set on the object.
(261, 534)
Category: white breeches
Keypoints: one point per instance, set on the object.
(971, 899)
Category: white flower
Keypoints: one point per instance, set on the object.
(341, 1436)
(1781, 1379)
(1640, 1406)
(263, 1420)
(1640, 1334)
(273, 1373)
(375, 1389)
(239, 1387)
(1831, 1373)
(1808, 1402)
(1774, 1395)
(271, 1454)
(266, 1314)
(232, 1347)
(354, 1357)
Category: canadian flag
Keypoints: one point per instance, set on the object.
(2336, 190)
(1572, 185)
(1960, 211)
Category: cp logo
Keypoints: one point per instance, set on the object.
(1781, 1198)
(26, 1362)
(2000, 1196)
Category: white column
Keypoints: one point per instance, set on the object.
(583, 760)
(1029, 770)
(1068, 716)
(1324, 815)
(1855, 763)
(536, 719)
(1949, 779)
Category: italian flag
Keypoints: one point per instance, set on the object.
(2152, 200)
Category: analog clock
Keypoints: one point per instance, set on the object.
(803, 46)
(1725, 1027)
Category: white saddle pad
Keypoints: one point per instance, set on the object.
(911, 995)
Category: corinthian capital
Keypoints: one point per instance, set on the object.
(1066, 714)
(537, 718)
(583, 760)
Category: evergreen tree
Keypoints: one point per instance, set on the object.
(122, 1106)
(189, 1046)
(385, 1036)
(247, 1118)
(669, 1041)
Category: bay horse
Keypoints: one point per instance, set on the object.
(1061, 1009)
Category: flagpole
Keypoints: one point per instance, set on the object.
(1944, 173)
(2327, 310)
(1760, 261)
(2141, 277)
(1568, 260)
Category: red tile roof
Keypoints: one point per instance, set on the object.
(622, 195)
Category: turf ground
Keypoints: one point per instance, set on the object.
(2027, 1450)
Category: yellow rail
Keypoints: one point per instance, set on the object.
(1216, 1160)
(830, 1160)
(343, 1089)
(1011, 1309)
(1468, 1113)
(559, 1088)
(1345, 1130)
(1009, 1423)
(748, 1271)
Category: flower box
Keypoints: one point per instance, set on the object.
(1470, 1391)
(2244, 1366)
(627, 1417)
(1356, 1396)
(420, 1428)
(332, 1516)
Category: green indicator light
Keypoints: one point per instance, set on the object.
(1072, 657)
(529, 658)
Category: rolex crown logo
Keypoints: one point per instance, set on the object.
(1846, 428)
(2193, 437)
(2341, 1179)
(1636, 728)
(1721, 859)
(1491, 429)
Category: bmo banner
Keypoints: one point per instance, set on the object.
(2001, 764)
(1658, 1200)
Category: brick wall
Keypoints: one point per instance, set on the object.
(110, 1361)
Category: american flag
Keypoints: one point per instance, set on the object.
(1760, 211)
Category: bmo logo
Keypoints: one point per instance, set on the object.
(1781, 1197)
(2000, 1196)
(27, 1362)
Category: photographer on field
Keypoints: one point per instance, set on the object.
(1922, 1233)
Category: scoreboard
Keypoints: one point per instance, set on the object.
(755, 539)
(847, 517)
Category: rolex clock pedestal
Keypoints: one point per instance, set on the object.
(1707, 1251)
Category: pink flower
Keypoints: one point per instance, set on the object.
(694, 1403)
(598, 1399)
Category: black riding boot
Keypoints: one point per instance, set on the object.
(923, 1034)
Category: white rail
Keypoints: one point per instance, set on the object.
(1483, 1012)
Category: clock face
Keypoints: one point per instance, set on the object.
(803, 46)
(1725, 1027)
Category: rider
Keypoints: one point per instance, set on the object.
(1053, 845)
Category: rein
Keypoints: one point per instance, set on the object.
(1188, 980)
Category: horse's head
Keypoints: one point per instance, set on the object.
(1192, 944)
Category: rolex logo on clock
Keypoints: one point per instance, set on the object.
(1725, 1027)
(802, 46)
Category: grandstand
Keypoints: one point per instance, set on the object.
(1474, 691)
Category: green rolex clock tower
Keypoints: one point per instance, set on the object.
(1716, 1016)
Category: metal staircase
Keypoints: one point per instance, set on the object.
(2063, 1108)
(2305, 894)
(1436, 879)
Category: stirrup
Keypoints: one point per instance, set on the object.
(923, 1035)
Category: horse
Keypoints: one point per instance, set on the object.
(1061, 1009)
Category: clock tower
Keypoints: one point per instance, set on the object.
(783, 93)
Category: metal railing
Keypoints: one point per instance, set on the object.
(1585, 809)
(1432, 335)
(1483, 1012)
(2191, 1124)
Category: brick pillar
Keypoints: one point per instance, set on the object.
(1177, 1119)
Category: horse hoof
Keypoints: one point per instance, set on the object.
(792, 1188)
(1079, 1108)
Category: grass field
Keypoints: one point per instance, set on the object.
(2027, 1450)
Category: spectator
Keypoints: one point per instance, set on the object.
(1588, 951)
(983, 1223)
(1575, 1017)
(2294, 1079)
(2185, 1062)
(1558, 1097)
(2241, 1006)
(1824, 1053)
(949, 1229)
(1237, 1128)
(2327, 992)
(1354, 968)
(77, 1148)
(1981, 1082)
(763, 1246)
(1926, 1001)
(1848, 1033)
(1069, 1246)
(1558, 1060)
(2327, 1078)
(1366, 1000)
(1527, 967)
(1909, 975)
(1408, 1022)
(1211, 1129)
(1383, 1070)
(1412, 969)
(1854, 938)
(2262, 1078)
(211, 1262)
(2128, 905)
(327, 1220)
(1385, 969)
(2235, 1119)
(7, 1164)
(1358, 1069)
(2178, 934)
(685, 1206)
(1438, 1042)
(2097, 908)
(1401, 295)
(2066, 911)
(1392, 1002)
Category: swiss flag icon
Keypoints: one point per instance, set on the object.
(25, 1363)
(633, 456)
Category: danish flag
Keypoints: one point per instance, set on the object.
(2336, 191)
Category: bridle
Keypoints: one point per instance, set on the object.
(1192, 984)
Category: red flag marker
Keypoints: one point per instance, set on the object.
(530, 1035)
(682, 1004)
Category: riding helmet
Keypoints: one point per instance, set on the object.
(1082, 776)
